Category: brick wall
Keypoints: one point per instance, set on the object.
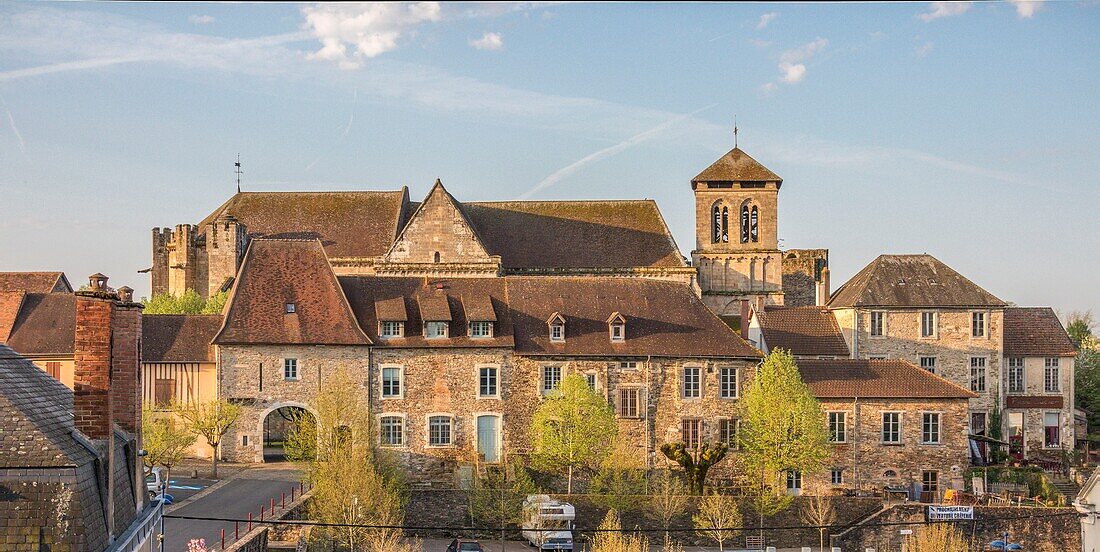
(126, 367)
(92, 354)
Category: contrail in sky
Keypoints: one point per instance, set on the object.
(15, 129)
(568, 170)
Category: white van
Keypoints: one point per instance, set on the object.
(548, 523)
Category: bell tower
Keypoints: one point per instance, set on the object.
(736, 236)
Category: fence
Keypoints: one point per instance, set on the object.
(140, 536)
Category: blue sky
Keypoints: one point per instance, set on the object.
(968, 131)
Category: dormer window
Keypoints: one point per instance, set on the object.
(481, 329)
(290, 308)
(435, 329)
(391, 328)
(616, 327)
(557, 327)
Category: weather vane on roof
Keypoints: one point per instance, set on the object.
(735, 131)
(239, 172)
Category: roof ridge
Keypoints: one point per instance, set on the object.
(643, 200)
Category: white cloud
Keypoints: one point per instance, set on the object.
(201, 19)
(1026, 8)
(792, 67)
(924, 49)
(803, 52)
(765, 19)
(350, 32)
(792, 72)
(488, 41)
(937, 10)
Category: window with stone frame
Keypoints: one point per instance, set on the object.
(930, 481)
(481, 329)
(891, 427)
(440, 431)
(290, 368)
(1015, 374)
(628, 365)
(977, 374)
(978, 324)
(928, 324)
(690, 432)
(551, 377)
(838, 427)
(391, 329)
(1052, 381)
(391, 382)
(878, 323)
(928, 363)
(630, 400)
(727, 382)
(590, 379)
(391, 431)
(836, 476)
(794, 482)
(930, 428)
(488, 382)
(435, 329)
(557, 331)
(727, 431)
(691, 382)
(1052, 431)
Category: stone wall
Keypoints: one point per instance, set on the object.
(1037, 529)
(801, 272)
(1035, 392)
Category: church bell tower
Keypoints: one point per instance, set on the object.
(736, 240)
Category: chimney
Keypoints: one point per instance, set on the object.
(823, 288)
(745, 312)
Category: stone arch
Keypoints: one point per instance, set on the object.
(260, 423)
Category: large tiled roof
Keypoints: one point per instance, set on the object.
(882, 379)
(275, 273)
(178, 337)
(1035, 331)
(37, 417)
(736, 166)
(46, 325)
(10, 303)
(349, 224)
(406, 299)
(804, 331)
(34, 282)
(575, 234)
(662, 318)
(911, 281)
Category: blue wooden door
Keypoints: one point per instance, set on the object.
(488, 437)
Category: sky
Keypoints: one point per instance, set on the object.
(965, 130)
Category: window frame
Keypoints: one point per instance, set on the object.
(935, 325)
(935, 363)
(1052, 368)
(400, 381)
(557, 332)
(898, 430)
(544, 369)
(698, 382)
(696, 432)
(984, 380)
(924, 485)
(881, 318)
(488, 324)
(437, 324)
(430, 427)
(794, 482)
(926, 430)
(841, 422)
(729, 431)
(1057, 444)
(481, 368)
(619, 327)
(384, 324)
(979, 331)
(401, 428)
(158, 404)
(593, 380)
(620, 403)
(722, 387)
(1015, 372)
(290, 369)
(836, 476)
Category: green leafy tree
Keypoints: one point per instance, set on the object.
(166, 441)
(1086, 369)
(669, 499)
(718, 518)
(188, 303)
(697, 462)
(782, 429)
(620, 479)
(611, 537)
(210, 420)
(1079, 327)
(573, 429)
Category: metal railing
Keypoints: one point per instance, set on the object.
(141, 535)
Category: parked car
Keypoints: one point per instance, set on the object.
(155, 483)
(463, 545)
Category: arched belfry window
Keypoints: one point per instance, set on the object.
(725, 224)
(744, 224)
(720, 224)
(754, 232)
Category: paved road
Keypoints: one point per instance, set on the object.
(235, 499)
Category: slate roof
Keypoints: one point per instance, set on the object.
(736, 166)
(37, 415)
(804, 331)
(1035, 331)
(663, 318)
(45, 325)
(399, 298)
(880, 379)
(911, 281)
(349, 224)
(34, 282)
(575, 234)
(276, 272)
(178, 337)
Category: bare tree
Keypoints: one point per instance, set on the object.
(819, 512)
(212, 421)
(668, 500)
(718, 518)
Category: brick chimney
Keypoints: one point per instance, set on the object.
(107, 360)
(822, 288)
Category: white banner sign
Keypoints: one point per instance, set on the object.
(950, 512)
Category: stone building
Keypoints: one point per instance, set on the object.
(1038, 382)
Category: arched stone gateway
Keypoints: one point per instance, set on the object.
(274, 426)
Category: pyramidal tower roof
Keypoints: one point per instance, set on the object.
(734, 166)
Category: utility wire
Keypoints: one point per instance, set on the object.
(634, 530)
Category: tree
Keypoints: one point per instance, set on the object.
(573, 428)
(820, 512)
(718, 518)
(936, 537)
(496, 500)
(211, 420)
(696, 463)
(620, 479)
(190, 302)
(782, 429)
(669, 500)
(610, 538)
(1086, 369)
(1079, 327)
(166, 442)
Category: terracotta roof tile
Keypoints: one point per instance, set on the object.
(910, 281)
(736, 166)
(46, 325)
(34, 282)
(478, 308)
(276, 272)
(391, 310)
(434, 306)
(663, 318)
(1035, 331)
(365, 293)
(349, 224)
(575, 234)
(178, 337)
(883, 379)
(805, 331)
(10, 303)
